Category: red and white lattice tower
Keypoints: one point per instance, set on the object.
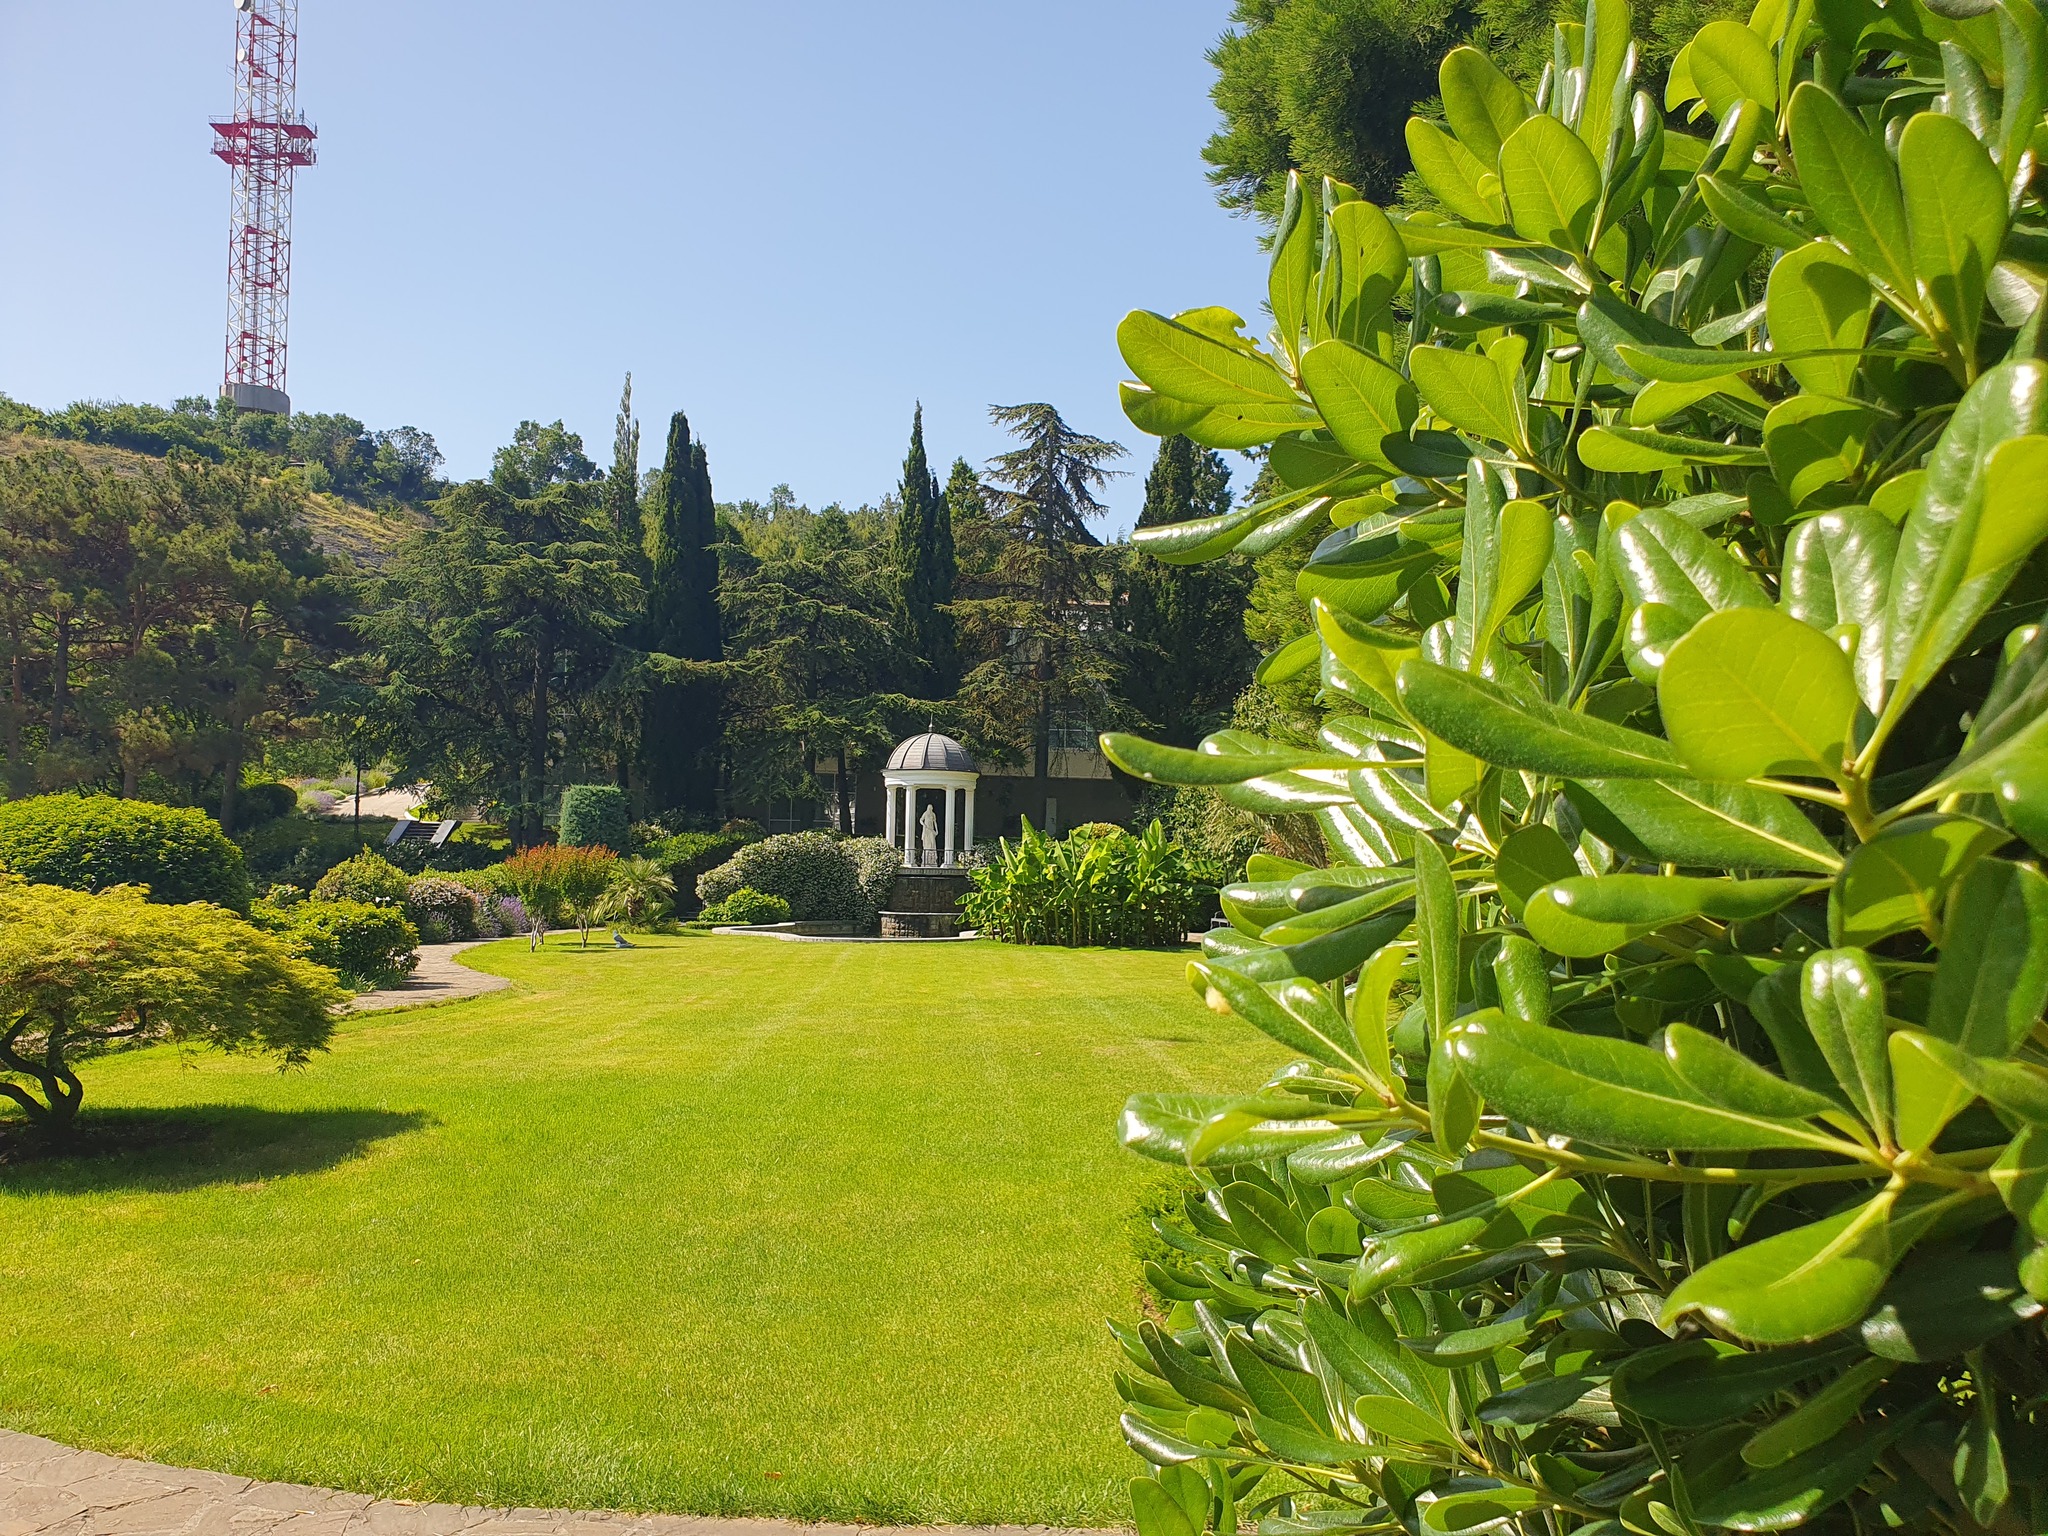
(265, 142)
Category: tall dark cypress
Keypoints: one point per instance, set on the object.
(926, 570)
(680, 731)
(1188, 657)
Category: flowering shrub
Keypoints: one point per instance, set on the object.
(815, 872)
(441, 909)
(368, 877)
(746, 906)
(1101, 885)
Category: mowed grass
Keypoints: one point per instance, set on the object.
(716, 1226)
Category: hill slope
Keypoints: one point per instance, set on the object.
(343, 529)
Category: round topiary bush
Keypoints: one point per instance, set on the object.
(747, 906)
(596, 816)
(91, 842)
(812, 871)
(368, 877)
(443, 911)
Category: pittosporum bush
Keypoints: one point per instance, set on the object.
(441, 909)
(815, 872)
(688, 856)
(746, 906)
(1669, 1147)
(876, 864)
(368, 877)
(91, 842)
(1098, 885)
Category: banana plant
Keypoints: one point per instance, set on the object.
(1668, 1147)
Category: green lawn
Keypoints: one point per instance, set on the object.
(720, 1225)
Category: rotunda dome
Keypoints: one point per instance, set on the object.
(931, 752)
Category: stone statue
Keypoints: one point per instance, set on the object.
(928, 831)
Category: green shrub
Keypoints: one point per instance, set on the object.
(876, 864)
(1099, 885)
(596, 816)
(369, 877)
(746, 906)
(258, 804)
(82, 973)
(443, 911)
(1669, 1152)
(365, 945)
(90, 842)
(299, 848)
(812, 871)
(640, 896)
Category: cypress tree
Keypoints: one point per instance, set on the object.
(680, 732)
(622, 485)
(926, 570)
(1188, 657)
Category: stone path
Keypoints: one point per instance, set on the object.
(437, 979)
(47, 1489)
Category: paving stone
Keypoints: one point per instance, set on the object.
(47, 1489)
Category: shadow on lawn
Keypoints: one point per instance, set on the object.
(167, 1150)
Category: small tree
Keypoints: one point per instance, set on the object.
(640, 893)
(585, 877)
(553, 881)
(80, 973)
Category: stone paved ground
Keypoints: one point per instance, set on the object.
(437, 979)
(47, 1489)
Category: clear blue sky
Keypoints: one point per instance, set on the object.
(789, 219)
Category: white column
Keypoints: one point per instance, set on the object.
(910, 825)
(969, 846)
(888, 811)
(947, 857)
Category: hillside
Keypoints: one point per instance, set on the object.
(363, 535)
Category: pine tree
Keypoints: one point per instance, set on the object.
(926, 570)
(680, 734)
(622, 485)
(1188, 656)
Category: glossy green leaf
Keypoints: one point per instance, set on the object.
(1849, 179)
(1817, 299)
(2020, 1089)
(1158, 764)
(1837, 570)
(1589, 915)
(1933, 604)
(1482, 105)
(1792, 1493)
(1819, 1418)
(1521, 974)
(1296, 1013)
(1390, 1260)
(1291, 1397)
(1750, 692)
(1795, 1287)
(1514, 731)
(1841, 995)
(1436, 933)
(1814, 443)
(1552, 183)
(1530, 859)
(1186, 364)
(1638, 450)
(1370, 265)
(1453, 174)
(1901, 878)
(1522, 554)
(1729, 62)
(1946, 1301)
(1391, 1419)
(1661, 558)
(1751, 217)
(1360, 398)
(1607, 1091)
(1155, 1513)
(1291, 274)
(1729, 1078)
(1704, 1382)
(1469, 390)
(2015, 512)
(1955, 218)
(1992, 981)
(1690, 823)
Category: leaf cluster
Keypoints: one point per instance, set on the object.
(1669, 1144)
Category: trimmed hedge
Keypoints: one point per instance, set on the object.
(359, 942)
(90, 842)
(824, 879)
(368, 877)
(596, 816)
(747, 906)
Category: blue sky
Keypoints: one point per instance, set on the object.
(789, 219)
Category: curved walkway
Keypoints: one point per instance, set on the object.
(436, 979)
(47, 1489)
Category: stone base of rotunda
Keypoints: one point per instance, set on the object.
(925, 904)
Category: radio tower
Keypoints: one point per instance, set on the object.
(265, 142)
